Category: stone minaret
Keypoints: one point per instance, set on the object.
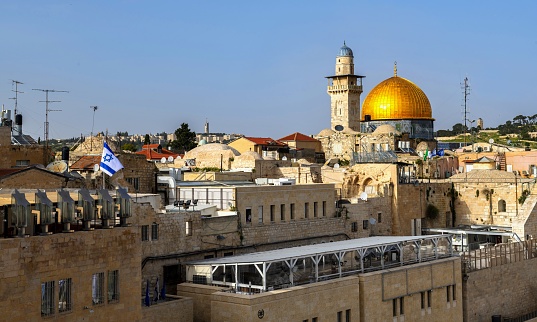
(344, 89)
(206, 127)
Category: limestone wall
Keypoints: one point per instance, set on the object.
(28, 262)
(9, 154)
(509, 290)
(176, 308)
(378, 290)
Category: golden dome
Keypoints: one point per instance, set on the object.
(396, 98)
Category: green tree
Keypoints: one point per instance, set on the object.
(129, 147)
(146, 139)
(185, 139)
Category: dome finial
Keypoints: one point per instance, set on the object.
(395, 68)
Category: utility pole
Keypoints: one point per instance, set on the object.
(92, 124)
(466, 92)
(46, 101)
(16, 83)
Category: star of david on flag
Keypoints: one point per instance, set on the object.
(109, 163)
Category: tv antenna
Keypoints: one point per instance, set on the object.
(16, 98)
(466, 92)
(95, 108)
(46, 101)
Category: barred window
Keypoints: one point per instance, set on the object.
(47, 298)
(113, 286)
(154, 231)
(145, 232)
(97, 288)
(354, 226)
(65, 301)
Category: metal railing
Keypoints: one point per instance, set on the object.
(498, 255)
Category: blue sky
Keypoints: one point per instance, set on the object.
(257, 68)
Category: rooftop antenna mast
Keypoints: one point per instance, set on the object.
(47, 101)
(466, 92)
(92, 125)
(16, 98)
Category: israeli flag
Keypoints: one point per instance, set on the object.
(109, 163)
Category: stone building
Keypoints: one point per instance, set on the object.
(396, 102)
(368, 279)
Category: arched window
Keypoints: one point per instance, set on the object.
(501, 205)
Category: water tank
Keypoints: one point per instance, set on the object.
(65, 153)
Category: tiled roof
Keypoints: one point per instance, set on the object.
(298, 137)
(151, 153)
(86, 162)
(265, 141)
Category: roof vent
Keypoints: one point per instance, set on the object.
(88, 207)
(20, 212)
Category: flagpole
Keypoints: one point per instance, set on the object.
(105, 139)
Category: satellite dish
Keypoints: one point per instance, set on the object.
(339, 128)
(491, 141)
(508, 142)
(163, 160)
(372, 221)
(284, 158)
(96, 167)
(336, 166)
(178, 157)
(57, 166)
(363, 196)
(170, 159)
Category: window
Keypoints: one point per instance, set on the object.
(65, 302)
(113, 286)
(422, 300)
(365, 224)
(501, 206)
(429, 298)
(145, 232)
(379, 217)
(394, 307)
(22, 163)
(401, 305)
(324, 208)
(348, 315)
(315, 214)
(448, 294)
(454, 289)
(260, 214)
(306, 210)
(282, 212)
(47, 298)
(339, 316)
(272, 210)
(97, 288)
(154, 231)
(314, 319)
(248, 214)
(227, 254)
(188, 228)
(354, 227)
(134, 182)
(292, 211)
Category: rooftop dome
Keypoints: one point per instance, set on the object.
(211, 147)
(326, 132)
(396, 98)
(386, 129)
(202, 142)
(345, 51)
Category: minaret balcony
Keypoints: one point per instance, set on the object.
(337, 88)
